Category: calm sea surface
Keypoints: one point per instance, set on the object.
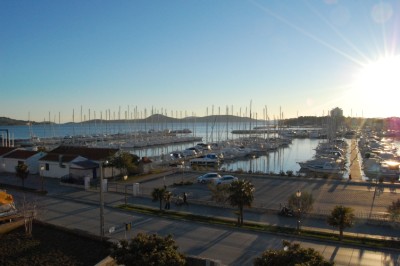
(283, 159)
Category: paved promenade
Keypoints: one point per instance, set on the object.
(355, 162)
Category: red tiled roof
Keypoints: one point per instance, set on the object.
(55, 157)
(21, 154)
(95, 154)
(4, 150)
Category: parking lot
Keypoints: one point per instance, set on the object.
(271, 192)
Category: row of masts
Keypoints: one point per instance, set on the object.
(132, 119)
(135, 116)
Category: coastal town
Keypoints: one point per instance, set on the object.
(363, 158)
(199, 133)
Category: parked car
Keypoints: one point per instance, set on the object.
(226, 179)
(208, 178)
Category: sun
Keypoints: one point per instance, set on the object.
(377, 84)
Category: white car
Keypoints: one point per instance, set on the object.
(208, 178)
(226, 179)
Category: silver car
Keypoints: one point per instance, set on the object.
(226, 179)
(208, 178)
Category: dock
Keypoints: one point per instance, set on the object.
(355, 162)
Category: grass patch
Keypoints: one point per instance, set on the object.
(325, 236)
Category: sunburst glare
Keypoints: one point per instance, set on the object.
(377, 83)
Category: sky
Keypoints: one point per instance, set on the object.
(73, 60)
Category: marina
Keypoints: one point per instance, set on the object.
(155, 140)
(293, 151)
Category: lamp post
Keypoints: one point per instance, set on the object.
(298, 195)
(41, 177)
(102, 200)
(183, 170)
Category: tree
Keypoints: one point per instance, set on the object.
(394, 211)
(291, 254)
(158, 194)
(147, 250)
(341, 217)
(240, 195)
(125, 162)
(220, 193)
(22, 172)
(304, 203)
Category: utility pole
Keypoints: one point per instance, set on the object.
(101, 203)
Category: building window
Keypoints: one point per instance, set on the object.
(47, 167)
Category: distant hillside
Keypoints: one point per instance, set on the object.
(203, 119)
(383, 123)
(157, 118)
(5, 121)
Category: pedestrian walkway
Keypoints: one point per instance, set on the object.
(361, 229)
(355, 162)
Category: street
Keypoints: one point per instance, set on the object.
(79, 210)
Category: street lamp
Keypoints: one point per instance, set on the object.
(183, 169)
(102, 200)
(41, 176)
(298, 195)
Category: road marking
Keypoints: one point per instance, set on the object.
(142, 222)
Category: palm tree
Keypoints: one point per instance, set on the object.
(341, 217)
(22, 172)
(240, 195)
(158, 194)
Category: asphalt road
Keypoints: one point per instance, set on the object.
(78, 210)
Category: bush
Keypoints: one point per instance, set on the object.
(186, 183)
(50, 245)
(291, 254)
(148, 250)
(239, 171)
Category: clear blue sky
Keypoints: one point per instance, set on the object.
(193, 57)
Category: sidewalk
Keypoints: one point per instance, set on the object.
(54, 189)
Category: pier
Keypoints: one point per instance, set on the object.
(355, 162)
